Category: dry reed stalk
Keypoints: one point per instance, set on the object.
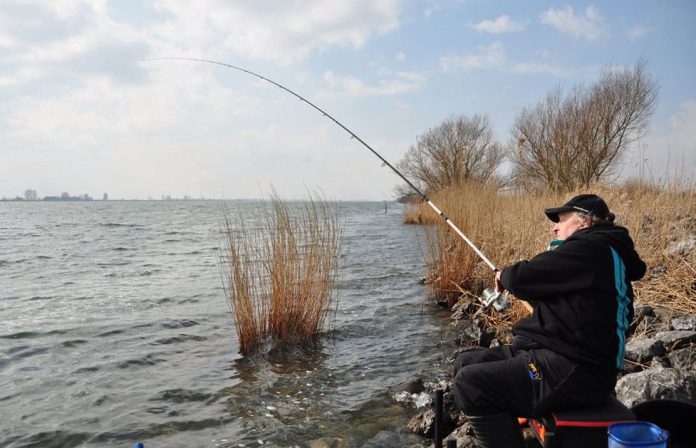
(279, 274)
(413, 213)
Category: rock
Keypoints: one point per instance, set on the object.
(423, 424)
(683, 247)
(684, 358)
(684, 323)
(655, 384)
(459, 310)
(659, 361)
(473, 332)
(413, 386)
(658, 270)
(640, 312)
(390, 438)
(464, 436)
(329, 442)
(642, 350)
(676, 339)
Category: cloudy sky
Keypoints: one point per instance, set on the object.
(83, 110)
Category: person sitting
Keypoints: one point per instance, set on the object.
(568, 351)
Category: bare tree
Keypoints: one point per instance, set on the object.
(460, 149)
(571, 142)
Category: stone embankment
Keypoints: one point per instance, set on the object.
(660, 363)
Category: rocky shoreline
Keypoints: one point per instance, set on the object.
(660, 363)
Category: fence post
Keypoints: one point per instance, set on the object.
(439, 421)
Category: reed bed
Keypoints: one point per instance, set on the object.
(279, 268)
(511, 226)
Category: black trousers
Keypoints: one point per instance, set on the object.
(525, 383)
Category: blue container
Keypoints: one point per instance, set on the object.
(637, 434)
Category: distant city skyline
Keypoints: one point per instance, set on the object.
(82, 108)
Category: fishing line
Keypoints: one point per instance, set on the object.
(353, 135)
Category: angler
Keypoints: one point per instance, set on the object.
(568, 352)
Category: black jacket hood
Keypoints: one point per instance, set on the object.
(618, 238)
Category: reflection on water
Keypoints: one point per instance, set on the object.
(114, 329)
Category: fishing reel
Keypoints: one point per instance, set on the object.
(499, 300)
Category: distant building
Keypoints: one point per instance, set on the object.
(105, 197)
(67, 197)
(30, 195)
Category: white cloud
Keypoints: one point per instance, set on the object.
(400, 56)
(502, 24)
(59, 35)
(487, 56)
(550, 69)
(637, 32)
(285, 31)
(540, 68)
(589, 26)
(347, 85)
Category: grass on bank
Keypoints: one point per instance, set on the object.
(278, 268)
(509, 227)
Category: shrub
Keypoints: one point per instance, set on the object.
(279, 270)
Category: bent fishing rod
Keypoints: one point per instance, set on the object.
(423, 196)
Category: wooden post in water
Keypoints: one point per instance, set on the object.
(439, 421)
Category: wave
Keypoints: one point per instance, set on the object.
(147, 360)
(179, 339)
(182, 396)
(119, 224)
(32, 334)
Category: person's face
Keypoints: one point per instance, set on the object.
(568, 223)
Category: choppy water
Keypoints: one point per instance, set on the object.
(114, 328)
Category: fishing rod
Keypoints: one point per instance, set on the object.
(423, 196)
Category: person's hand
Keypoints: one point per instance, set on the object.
(498, 285)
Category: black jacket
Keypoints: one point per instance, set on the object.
(581, 294)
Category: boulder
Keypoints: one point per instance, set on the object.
(640, 312)
(642, 350)
(684, 358)
(655, 384)
(390, 438)
(676, 339)
(682, 247)
(464, 436)
(687, 323)
(413, 386)
(329, 442)
(423, 424)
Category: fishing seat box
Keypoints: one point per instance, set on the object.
(579, 428)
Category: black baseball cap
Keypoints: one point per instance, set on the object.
(583, 203)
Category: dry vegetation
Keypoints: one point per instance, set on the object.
(509, 227)
(279, 269)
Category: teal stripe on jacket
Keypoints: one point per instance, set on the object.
(623, 303)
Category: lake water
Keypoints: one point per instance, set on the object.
(114, 328)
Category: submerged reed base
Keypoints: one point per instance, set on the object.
(279, 268)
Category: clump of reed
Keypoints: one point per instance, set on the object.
(279, 268)
(510, 226)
